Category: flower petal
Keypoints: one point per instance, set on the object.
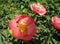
(38, 8)
(55, 21)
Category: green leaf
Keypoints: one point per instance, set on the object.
(1, 42)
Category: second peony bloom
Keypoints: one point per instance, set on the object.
(38, 8)
(22, 27)
(55, 21)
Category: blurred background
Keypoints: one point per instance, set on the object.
(45, 34)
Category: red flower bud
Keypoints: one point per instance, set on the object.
(55, 21)
(38, 8)
(22, 27)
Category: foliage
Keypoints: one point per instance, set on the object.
(46, 33)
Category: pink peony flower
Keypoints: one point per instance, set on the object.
(38, 8)
(22, 27)
(55, 21)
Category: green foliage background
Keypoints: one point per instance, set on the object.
(45, 34)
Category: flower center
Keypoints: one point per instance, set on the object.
(22, 27)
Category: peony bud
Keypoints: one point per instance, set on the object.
(55, 21)
(38, 8)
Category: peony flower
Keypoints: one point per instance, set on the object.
(38, 8)
(22, 27)
(55, 21)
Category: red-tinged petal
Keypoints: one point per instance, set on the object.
(29, 23)
(56, 22)
(57, 26)
(24, 22)
(31, 27)
(27, 20)
(31, 31)
(38, 8)
(27, 37)
(15, 30)
(17, 17)
(53, 19)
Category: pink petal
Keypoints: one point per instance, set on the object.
(38, 8)
(26, 20)
(56, 22)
